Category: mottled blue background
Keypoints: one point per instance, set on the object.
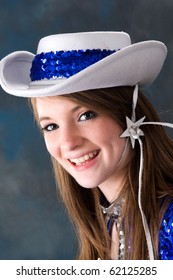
(33, 224)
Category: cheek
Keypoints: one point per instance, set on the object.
(51, 147)
(113, 146)
(108, 130)
(111, 137)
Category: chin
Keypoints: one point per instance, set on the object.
(88, 184)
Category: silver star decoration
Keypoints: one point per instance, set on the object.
(133, 130)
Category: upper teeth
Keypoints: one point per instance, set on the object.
(83, 158)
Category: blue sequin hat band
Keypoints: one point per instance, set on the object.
(64, 64)
(74, 62)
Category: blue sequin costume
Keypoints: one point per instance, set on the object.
(166, 235)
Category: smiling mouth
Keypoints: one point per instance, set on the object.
(84, 159)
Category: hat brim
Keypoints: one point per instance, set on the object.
(136, 64)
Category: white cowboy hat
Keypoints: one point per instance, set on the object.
(73, 62)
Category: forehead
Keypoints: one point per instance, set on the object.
(50, 105)
(54, 101)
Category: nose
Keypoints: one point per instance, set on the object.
(70, 139)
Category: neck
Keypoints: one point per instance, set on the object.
(112, 189)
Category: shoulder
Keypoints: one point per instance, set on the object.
(166, 235)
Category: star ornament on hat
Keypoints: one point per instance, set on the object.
(73, 62)
(133, 130)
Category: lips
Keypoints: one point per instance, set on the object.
(85, 158)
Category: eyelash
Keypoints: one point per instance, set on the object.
(54, 126)
(46, 128)
(91, 113)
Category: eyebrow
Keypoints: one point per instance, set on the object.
(73, 110)
(43, 119)
(76, 108)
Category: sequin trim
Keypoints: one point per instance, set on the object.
(166, 235)
(64, 64)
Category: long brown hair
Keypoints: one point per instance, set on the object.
(83, 204)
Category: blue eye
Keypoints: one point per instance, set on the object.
(50, 127)
(87, 116)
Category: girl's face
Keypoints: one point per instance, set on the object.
(86, 143)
